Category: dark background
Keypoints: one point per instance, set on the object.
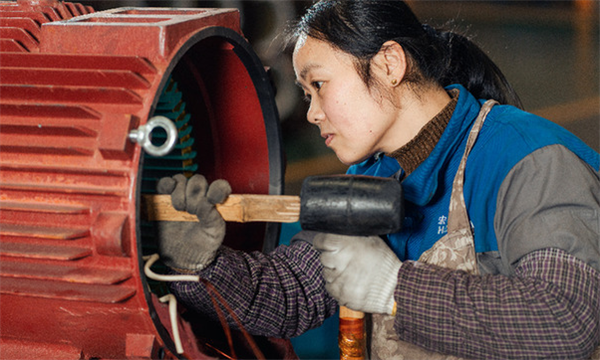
(548, 50)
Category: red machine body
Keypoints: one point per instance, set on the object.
(73, 84)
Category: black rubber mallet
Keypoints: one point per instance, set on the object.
(339, 204)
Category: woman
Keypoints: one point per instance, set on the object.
(499, 254)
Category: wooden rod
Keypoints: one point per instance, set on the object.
(347, 313)
(236, 208)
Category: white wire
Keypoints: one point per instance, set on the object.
(150, 260)
(173, 317)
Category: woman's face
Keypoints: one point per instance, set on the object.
(353, 120)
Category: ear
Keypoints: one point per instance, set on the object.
(391, 60)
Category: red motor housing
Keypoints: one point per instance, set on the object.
(74, 83)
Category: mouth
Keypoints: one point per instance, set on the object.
(328, 138)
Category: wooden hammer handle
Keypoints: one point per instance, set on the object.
(236, 208)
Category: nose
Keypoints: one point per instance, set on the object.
(315, 113)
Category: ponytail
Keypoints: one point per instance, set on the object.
(360, 28)
(463, 62)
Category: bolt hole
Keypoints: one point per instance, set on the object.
(158, 136)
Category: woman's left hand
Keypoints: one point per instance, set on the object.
(361, 272)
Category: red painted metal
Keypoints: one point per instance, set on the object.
(73, 83)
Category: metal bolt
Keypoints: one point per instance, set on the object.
(143, 136)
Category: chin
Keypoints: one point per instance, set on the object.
(349, 161)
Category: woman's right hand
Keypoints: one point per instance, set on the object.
(191, 246)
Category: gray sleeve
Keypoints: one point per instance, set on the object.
(550, 199)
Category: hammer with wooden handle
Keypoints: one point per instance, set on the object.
(340, 204)
(347, 205)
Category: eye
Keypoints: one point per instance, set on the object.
(307, 98)
(317, 85)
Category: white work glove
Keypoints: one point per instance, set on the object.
(361, 272)
(192, 245)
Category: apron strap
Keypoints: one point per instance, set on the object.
(458, 218)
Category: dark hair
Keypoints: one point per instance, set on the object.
(360, 28)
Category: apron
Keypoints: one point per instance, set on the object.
(456, 250)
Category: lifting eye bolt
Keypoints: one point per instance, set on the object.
(143, 136)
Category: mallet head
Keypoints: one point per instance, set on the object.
(351, 205)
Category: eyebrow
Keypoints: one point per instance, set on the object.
(305, 70)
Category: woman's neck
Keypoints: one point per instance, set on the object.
(413, 153)
(414, 110)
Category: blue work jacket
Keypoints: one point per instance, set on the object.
(508, 135)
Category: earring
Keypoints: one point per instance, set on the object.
(394, 82)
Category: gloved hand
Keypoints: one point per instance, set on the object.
(192, 245)
(361, 272)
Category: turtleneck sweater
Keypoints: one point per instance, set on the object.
(411, 155)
